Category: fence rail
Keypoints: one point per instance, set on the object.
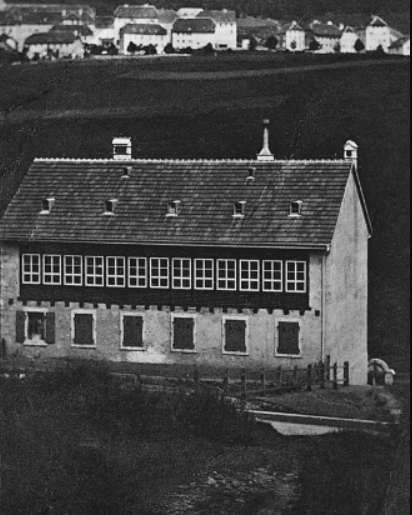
(247, 384)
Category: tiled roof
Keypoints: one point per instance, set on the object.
(104, 22)
(51, 38)
(377, 21)
(400, 42)
(167, 16)
(224, 16)
(289, 26)
(207, 190)
(136, 11)
(196, 25)
(81, 30)
(325, 30)
(144, 29)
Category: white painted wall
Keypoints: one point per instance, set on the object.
(297, 36)
(195, 41)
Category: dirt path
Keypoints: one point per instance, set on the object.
(250, 74)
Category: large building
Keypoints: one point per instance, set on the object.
(194, 33)
(226, 28)
(327, 35)
(380, 35)
(143, 35)
(247, 263)
(292, 37)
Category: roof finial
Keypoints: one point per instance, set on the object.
(266, 154)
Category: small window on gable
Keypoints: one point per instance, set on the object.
(173, 209)
(110, 207)
(239, 209)
(251, 173)
(47, 205)
(296, 209)
(183, 334)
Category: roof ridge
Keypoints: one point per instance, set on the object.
(206, 161)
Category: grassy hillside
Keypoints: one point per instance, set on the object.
(74, 110)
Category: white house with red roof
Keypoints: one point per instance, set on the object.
(247, 263)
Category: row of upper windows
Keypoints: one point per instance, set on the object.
(165, 273)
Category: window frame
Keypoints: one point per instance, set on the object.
(31, 269)
(159, 277)
(277, 338)
(94, 275)
(52, 274)
(138, 277)
(181, 278)
(65, 274)
(242, 318)
(116, 276)
(91, 312)
(249, 271)
(296, 281)
(193, 317)
(203, 279)
(226, 280)
(27, 341)
(282, 276)
(126, 314)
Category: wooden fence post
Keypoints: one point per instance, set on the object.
(322, 376)
(279, 375)
(328, 363)
(346, 373)
(335, 376)
(244, 383)
(226, 382)
(309, 379)
(197, 380)
(263, 379)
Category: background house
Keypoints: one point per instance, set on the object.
(380, 34)
(269, 268)
(142, 36)
(401, 47)
(350, 40)
(194, 33)
(226, 27)
(55, 45)
(327, 35)
(292, 37)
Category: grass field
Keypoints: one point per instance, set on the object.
(73, 110)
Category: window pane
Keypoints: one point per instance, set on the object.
(227, 275)
(31, 269)
(36, 327)
(249, 276)
(52, 270)
(94, 271)
(182, 274)
(273, 276)
(73, 270)
(137, 272)
(159, 273)
(116, 272)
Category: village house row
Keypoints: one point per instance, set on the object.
(66, 29)
(223, 263)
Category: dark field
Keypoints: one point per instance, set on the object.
(73, 110)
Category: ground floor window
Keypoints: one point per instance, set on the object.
(132, 332)
(288, 342)
(84, 329)
(35, 327)
(183, 334)
(235, 335)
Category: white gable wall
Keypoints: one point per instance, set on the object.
(298, 37)
(346, 314)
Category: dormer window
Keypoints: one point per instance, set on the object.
(173, 208)
(110, 207)
(239, 209)
(296, 209)
(47, 206)
(251, 173)
(127, 172)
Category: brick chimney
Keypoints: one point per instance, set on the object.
(122, 149)
(266, 154)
